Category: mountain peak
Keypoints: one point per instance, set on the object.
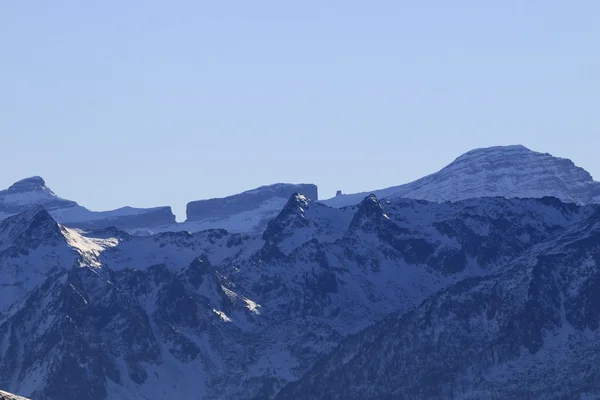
(369, 211)
(29, 228)
(297, 202)
(370, 200)
(516, 171)
(507, 171)
(33, 183)
(292, 214)
(27, 193)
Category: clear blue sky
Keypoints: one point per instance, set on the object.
(160, 102)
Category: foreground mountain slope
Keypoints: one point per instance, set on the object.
(529, 331)
(507, 171)
(221, 315)
(33, 192)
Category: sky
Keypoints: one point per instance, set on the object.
(149, 103)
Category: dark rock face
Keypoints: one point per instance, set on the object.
(246, 201)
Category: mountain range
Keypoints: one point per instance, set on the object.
(509, 171)
(393, 298)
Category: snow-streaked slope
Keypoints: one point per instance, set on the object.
(218, 315)
(10, 396)
(34, 246)
(507, 171)
(33, 192)
(529, 331)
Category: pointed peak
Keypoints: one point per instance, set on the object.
(34, 213)
(371, 203)
(296, 201)
(292, 214)
(370, 200)
(29, 228)
(369, 210)
(40, 217)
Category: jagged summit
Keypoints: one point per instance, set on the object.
(371, 207)
(30, 228)
(291, 215)
(506, 171)
(27, 218)
(297, 201)
(369, 210)
(369, 201)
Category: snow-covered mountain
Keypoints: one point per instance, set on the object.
(220, 208)
(32, 192)
(220, 315)
(247, 212)
(530, 330)
(507, 171)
